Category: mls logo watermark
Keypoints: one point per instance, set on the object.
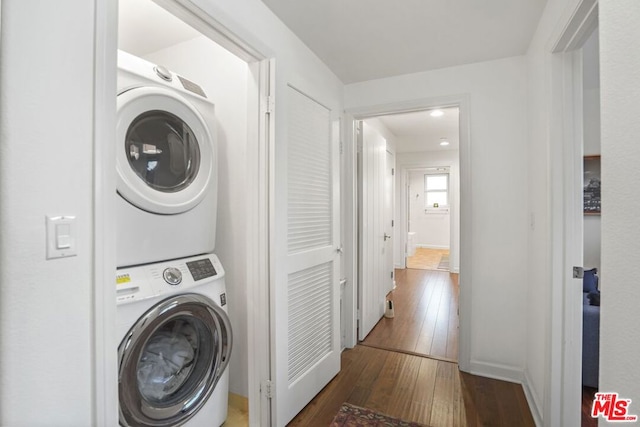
(612, 408)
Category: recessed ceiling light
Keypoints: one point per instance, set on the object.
(444, 143)
(436, 113)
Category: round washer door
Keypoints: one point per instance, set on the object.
(165, 156)
(171, 360)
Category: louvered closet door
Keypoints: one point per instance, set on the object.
(307, 319)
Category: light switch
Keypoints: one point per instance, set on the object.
(61, 236)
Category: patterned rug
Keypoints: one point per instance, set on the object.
(350, 416)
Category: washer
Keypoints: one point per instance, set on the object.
(166, 165)
(175, 345)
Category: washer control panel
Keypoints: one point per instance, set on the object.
(167, 277)
(201, 269)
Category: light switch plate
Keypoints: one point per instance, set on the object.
(61, 236)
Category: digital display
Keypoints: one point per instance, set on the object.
(201, 269)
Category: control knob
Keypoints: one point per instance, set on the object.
(172, 276)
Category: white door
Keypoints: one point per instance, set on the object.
(388, 218)
(305, 295)
(373, 276)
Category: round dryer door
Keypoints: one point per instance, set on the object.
(165, 156)
(171, 360)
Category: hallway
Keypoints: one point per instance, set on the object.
(426, 316)
(389, 372)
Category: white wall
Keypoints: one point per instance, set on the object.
(619, 323)
(224, 77)
(497, 91)
(46, 168)
(431, 228)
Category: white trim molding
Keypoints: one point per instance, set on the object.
(563, 359)
(532, 399)
(105, 341)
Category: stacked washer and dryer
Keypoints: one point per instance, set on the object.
(171, 300)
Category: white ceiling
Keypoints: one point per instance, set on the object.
(144, 27)
(370, 39)
(419, 131)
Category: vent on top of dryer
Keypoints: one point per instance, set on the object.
(191, 86)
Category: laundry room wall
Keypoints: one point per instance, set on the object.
(46, 168)
(224, 78)
(498, 135)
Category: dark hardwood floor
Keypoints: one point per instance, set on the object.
(390, 374)
(426, 316)
(419, 389)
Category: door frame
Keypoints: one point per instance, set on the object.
(361, 113)
(261, 88)
(564, 379)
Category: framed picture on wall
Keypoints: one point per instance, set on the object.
(591, 185)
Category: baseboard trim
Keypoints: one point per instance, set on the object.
(534, 406)
(496, 371)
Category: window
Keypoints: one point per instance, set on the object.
(436, 190)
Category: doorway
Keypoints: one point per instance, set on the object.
(426, 143)
(567, 297)
(428, 218)
(239, 80)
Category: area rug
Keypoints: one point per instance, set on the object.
(350, 415)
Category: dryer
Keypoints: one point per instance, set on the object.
(166, 165)
(175, 344)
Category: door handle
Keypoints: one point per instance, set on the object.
(386, 236)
